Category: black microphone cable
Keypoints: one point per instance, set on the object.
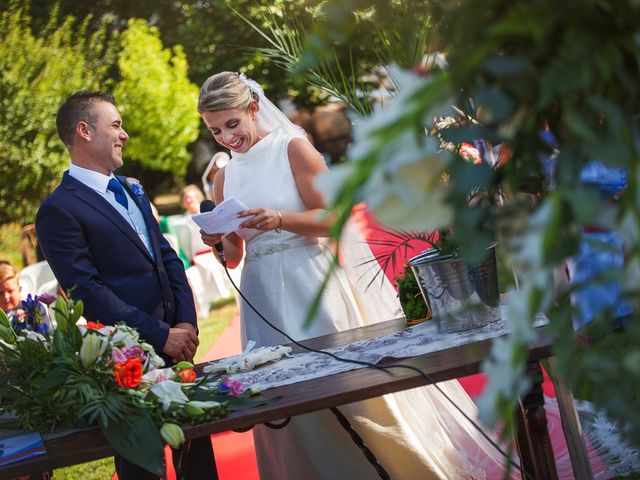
(424, 375)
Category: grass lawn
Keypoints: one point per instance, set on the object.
(210, 329)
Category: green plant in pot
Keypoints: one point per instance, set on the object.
(461, 295)
(413, 304)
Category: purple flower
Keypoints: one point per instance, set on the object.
(42, 328)
(31, 308)
(136, 188)
(135, 352)
(46, 298)
(121, 355)
(234, 387)
(118, 355)
(29, 304)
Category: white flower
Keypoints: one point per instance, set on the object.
(93, 346)
(35, 336)
(154, 361)
(205, 405)
(405, 189)
(169, 392)
(158, 375)
(125, 337)
(248, 359)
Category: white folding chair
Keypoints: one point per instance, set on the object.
(183, 233)
(37, 278)
(203, 305)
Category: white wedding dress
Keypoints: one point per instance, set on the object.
(415, 434)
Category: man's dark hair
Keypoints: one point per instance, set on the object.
(78, 107)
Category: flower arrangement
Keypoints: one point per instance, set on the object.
(32, 315)
(135, 187)
(107, 376)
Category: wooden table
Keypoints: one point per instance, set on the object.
(321, 393)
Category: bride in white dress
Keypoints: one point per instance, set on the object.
(416, 434)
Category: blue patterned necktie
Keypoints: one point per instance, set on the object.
(121, 197)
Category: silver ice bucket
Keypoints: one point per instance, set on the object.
(461, 296)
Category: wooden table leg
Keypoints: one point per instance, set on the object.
(534, 443)
(571, 426)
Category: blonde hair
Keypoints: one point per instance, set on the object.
(193, 189)
(7, 272)
(225, 91)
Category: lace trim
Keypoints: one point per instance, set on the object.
(261, 251)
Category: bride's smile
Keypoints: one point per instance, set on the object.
(235, 129)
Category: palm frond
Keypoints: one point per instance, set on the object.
(327, 73)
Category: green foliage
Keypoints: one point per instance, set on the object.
(155, 97)
(213, 37)
(411, 299)
(98, 470)
(10, 243)
(31, 69)
(156, 100)
(576, 68)
(515, 68)
(318, 52)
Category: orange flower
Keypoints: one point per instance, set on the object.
(94, 325)
(128, 374)
(187, 375)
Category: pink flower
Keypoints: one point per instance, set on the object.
(234, 387)
(118, 355)
(121, 355)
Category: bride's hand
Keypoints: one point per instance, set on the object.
(211, 238)
(261, 219)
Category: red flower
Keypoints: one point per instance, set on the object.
(469, 152)
(94, 325)
(128, 374)
(187, 375)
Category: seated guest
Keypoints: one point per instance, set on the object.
(218, 161)
(29, 314)
(190, 198)
(170, 235)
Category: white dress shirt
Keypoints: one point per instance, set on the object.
(98, 182)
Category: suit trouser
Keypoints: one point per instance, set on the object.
(199, 463)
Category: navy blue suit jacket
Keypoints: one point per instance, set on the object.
(91, 247)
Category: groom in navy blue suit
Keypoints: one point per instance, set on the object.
(99, 235)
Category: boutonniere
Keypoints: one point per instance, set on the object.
(135, 187)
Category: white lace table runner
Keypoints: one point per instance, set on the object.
(417, 340)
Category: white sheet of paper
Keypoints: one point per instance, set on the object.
(222, 219)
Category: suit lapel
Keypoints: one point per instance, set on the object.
(104, 208)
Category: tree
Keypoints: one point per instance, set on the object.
(156, 100)
(36, 74)
(213, 37)
(38, 71)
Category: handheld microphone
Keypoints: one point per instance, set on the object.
(207, 206)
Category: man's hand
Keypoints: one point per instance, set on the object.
(186, 326)
(181, 344)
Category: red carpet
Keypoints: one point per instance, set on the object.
(234, 451)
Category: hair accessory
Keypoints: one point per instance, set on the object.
(269, 116)
(252, 84)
